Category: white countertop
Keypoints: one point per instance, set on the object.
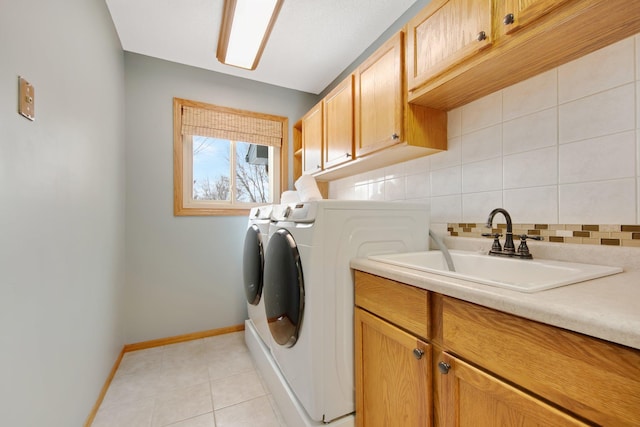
(606, 308)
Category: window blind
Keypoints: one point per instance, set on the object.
(227, 125)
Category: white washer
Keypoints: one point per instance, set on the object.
(255, 244)
(309, 295)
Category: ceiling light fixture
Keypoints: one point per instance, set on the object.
(245, 29)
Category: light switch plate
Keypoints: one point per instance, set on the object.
(27, 97)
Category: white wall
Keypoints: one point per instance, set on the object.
(62, 215)
(184, 274)
(561, 147)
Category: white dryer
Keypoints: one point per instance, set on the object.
(309, 294)
(255, 244)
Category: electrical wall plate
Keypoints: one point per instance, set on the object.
(26, 103)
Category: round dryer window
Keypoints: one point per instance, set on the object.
(252, 264)
(283, 288)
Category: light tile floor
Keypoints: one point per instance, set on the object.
(210, 382)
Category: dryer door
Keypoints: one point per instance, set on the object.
(253, 264)
(283, 288)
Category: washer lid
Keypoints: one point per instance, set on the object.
(283, 288)
(253, 264)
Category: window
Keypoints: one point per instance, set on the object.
(226, 160)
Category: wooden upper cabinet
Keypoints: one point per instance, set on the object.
(473, 398)
(380, 98)
(369, 110)
(338, 124)
(445, 33)
(312, 135)
(444, 74)
(297, 150)
(512, 15)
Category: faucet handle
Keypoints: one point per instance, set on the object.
(496, 247)
(524, 237)
(523, 249)
(494, 235)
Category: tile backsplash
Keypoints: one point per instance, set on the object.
(560, 148)
(584, 234)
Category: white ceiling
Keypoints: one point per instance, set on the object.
(312, 42)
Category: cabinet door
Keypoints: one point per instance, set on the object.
(445, 33)
(519, 13)
(297, 150)
(594, 379)
(312, 140)
(393, 383)
(380, 98)
(338, 124)
(471, 397)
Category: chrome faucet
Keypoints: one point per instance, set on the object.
(509, 248)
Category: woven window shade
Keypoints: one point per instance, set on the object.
(234, 127)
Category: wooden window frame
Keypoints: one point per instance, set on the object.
(179, 208)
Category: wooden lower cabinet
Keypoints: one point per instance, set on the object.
(481, 367)
(597, 380)
(473, 398)
(393, 381)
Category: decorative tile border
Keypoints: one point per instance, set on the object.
(582, 234)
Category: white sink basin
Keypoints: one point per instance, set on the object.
(510, 273)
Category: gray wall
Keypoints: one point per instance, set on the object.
(62, 217)
(183, 273)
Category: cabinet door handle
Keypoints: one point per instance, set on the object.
(418, 353)
(348, 155)
(481, 36)
(509, 19)
(444, 367)
(395, 136)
